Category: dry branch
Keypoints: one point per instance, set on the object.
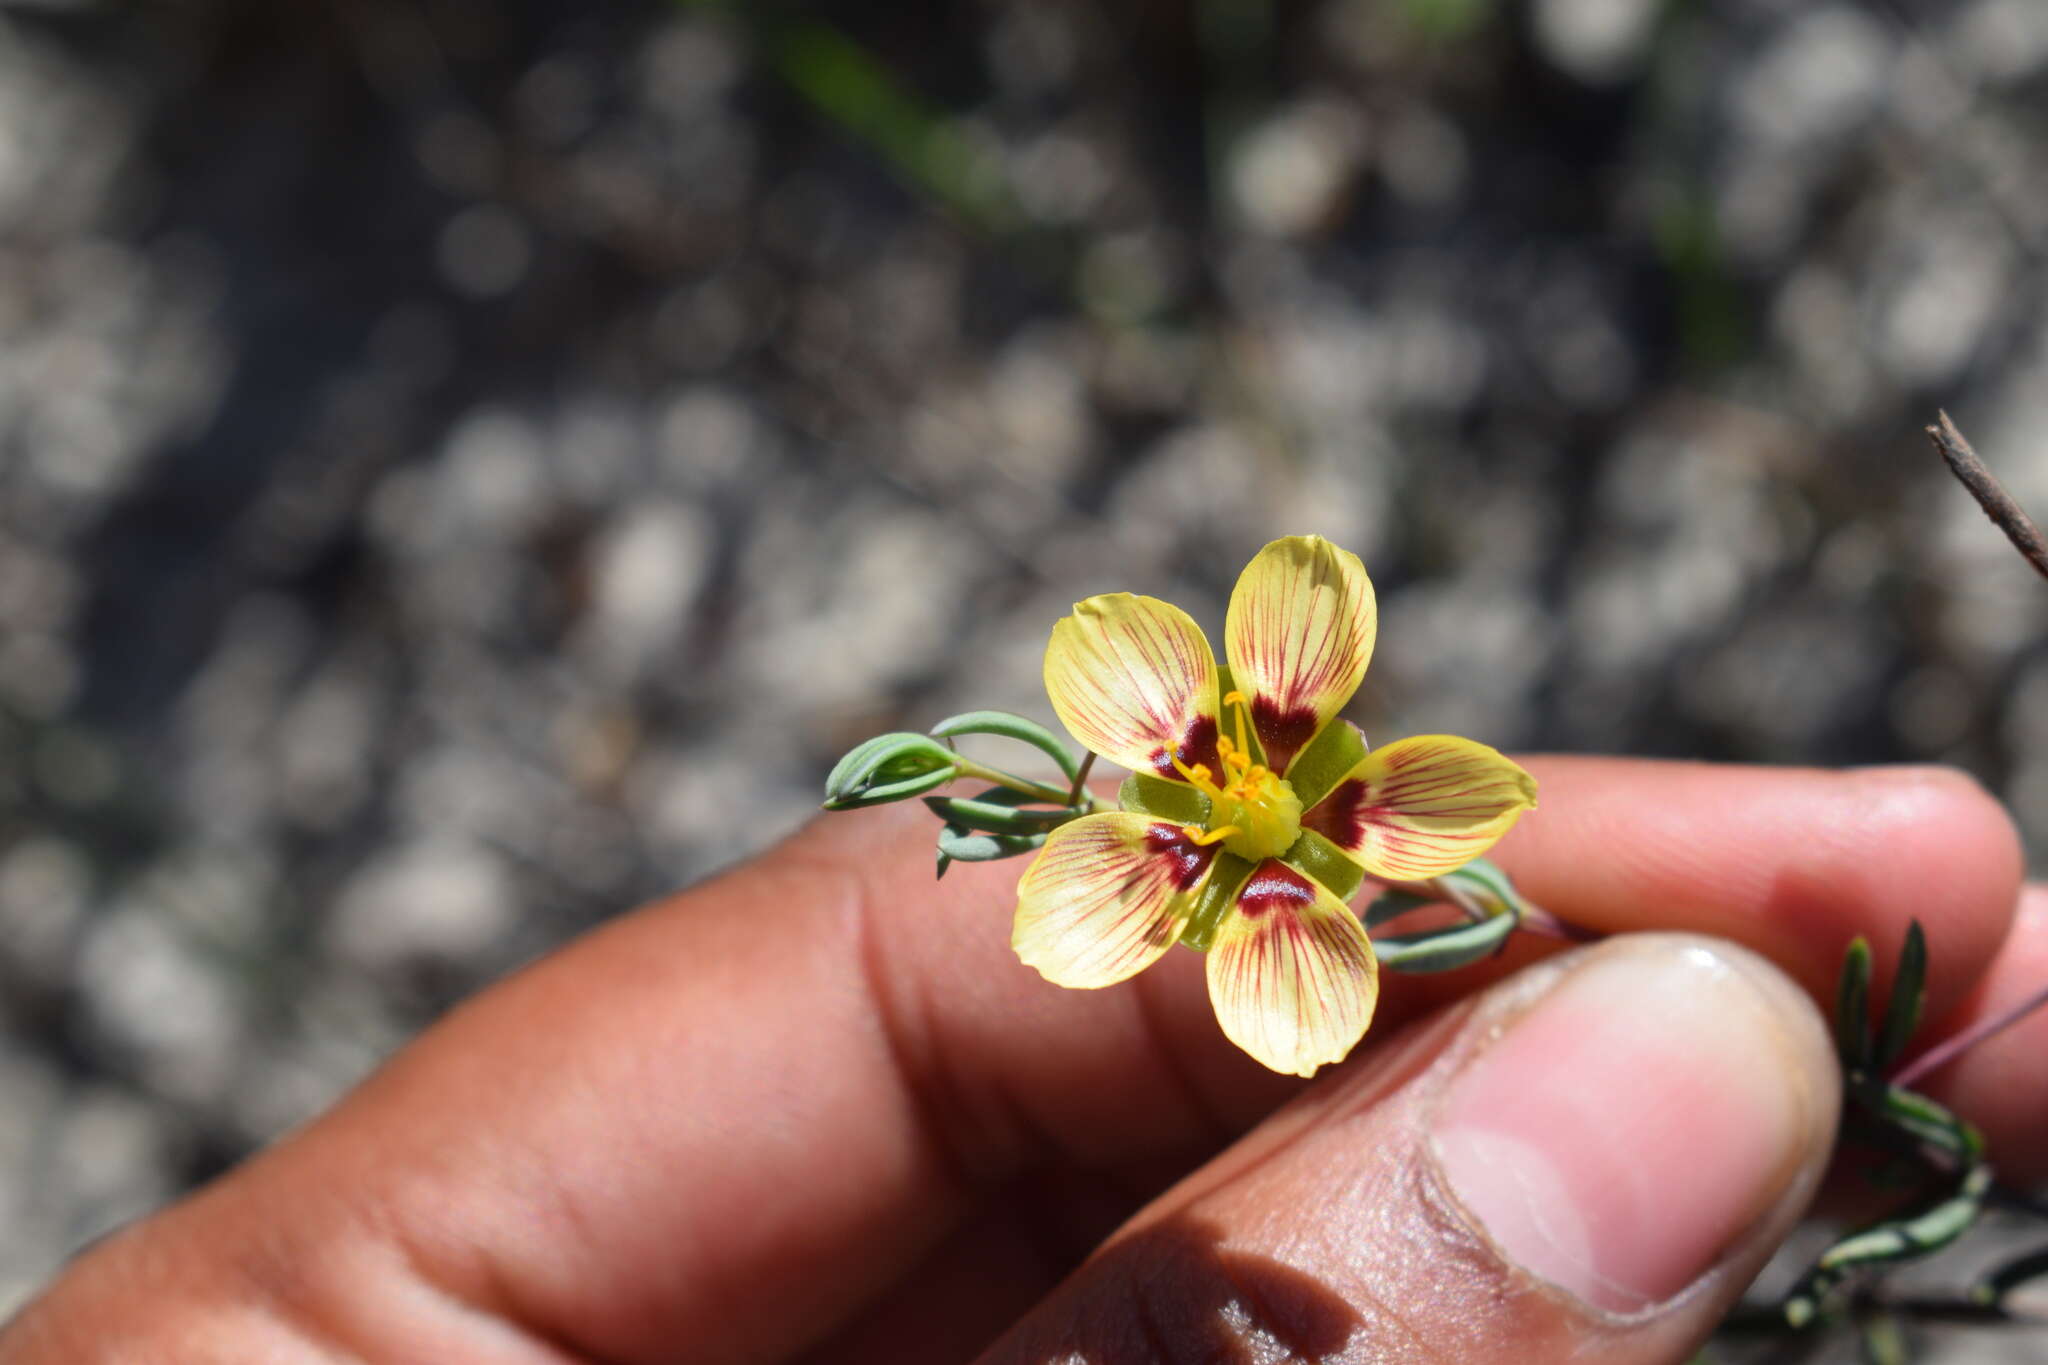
(1998, 504)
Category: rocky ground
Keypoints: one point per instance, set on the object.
(466, 468)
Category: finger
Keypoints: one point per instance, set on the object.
(731, 1118)
(2001, 1083)
(1588, 1164)
(1791, 862)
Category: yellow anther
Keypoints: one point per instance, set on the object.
(1199, 777)
(1238, 699)
(1196, 834)
(1233, 757)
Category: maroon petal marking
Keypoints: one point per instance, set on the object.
(1102, 899)
(1292, 975)
(1340, 816)
(1190, 859)
(1282, 731)
(1275, 886)
(1197, 745)
(1421, 806)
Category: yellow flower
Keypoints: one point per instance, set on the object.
(1249, 798)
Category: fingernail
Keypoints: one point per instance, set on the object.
(1642, 1115)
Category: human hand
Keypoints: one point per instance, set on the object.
(815, 1110)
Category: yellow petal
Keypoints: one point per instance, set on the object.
(1292, 976)
(1419, 807)
(1298, 637)
(1134, 680)
(1105, 897)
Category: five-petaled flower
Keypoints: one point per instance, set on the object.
(1248, 799)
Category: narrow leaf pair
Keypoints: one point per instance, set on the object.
(1864, 1050)
(1949, 1150)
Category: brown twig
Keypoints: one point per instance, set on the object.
(1954, 1047)
(1081, 778)
(1998, 504)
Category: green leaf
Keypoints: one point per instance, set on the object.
(1909, 989)
(857, 763)
(1483, 884)
(1442, 950)
(1390, 905)
(997, 811)
(958, 844)
(1917, 1234)
(1155, 796)
(1905, 1238)
(887, 768)
(1928, 1122)
(1852, 1007)
(1328, 760)
(1322, 861)
(1227, 876)
(1011, 727)
(1993, 1288)
(892, 791)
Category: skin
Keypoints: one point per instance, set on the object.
(815, 1110)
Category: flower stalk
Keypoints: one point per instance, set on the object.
(1038, 791)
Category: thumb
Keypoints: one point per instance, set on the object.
(1588, 1162)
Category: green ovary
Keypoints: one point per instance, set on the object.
(1262, 814)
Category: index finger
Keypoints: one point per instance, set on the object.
(1791, 862)
(731, 1118)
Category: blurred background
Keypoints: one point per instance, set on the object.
(468, 466)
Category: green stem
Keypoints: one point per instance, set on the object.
(1531, 917)
(1052, 795)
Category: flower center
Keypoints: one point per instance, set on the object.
(1252, 811)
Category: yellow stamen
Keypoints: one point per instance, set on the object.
(1244, 706)
(1255, 813)
(1199, 777)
